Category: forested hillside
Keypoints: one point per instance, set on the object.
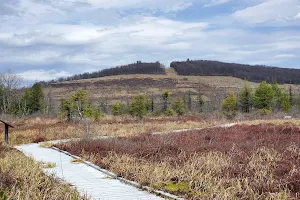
(255, 73)
(135, 68)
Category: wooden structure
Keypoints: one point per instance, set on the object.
(6, 126)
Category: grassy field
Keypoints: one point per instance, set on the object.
(35, 130)
(22, 179)
(242, 162)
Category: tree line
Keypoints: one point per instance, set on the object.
(77, 107)
(255, 73)
(265, 99)
(15, 100)
(135, 68)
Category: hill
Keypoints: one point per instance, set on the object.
(256, 73)
(121, 88)
(135, 68)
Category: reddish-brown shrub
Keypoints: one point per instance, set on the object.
(243, 144)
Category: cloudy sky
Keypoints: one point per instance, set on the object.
(46, 39)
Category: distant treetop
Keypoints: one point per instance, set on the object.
(254, 73)
(136, 68)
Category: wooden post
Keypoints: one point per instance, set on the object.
(6, 126)
(6, 133)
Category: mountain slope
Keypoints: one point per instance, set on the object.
(122, 88)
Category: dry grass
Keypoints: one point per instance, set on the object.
(37, 130)
(122, 87)
(241, 162)
(22, 179)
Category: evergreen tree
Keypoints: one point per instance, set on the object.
(285, 103)
(277, 101)
(36, 103)
(246, 99)
(77, 106)
(79, 101)
(263, 97)
(179, 107)
(116, 109)
(66, 109)
(91, 111)
(189, 102)
(25, 102)
(165, 97)
(230, 106)
(139, 107)
(281, 99)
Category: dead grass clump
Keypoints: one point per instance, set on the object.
(39, 139)
(240, 162)
(6, 180)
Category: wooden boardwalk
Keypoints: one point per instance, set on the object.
(86, 179)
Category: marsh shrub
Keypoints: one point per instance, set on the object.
(264, 112)
(170, 112)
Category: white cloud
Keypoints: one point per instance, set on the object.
(75, 36)
(297, 16)
(39, 75)
(147, 30)
(215, 3)
(269, 11)
(166, 5)
(286, 56)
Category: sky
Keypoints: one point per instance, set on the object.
(48, 39)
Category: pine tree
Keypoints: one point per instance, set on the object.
(189, 102)
(77, 106)
(230, 106)
(285, 103)
(263, 97)
(25, 102)
(139, 107)
(36, 103)
(79, 100)
(165, 96)
(66, 109)
(116, 109)
(178, 106)
(246, 99)
(277, 101)
(281, 99)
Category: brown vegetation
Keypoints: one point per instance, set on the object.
(123, 87)
(36, 130)
(22, 179)
(241, 162)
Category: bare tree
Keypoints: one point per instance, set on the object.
(9, 83)
(48, 100)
